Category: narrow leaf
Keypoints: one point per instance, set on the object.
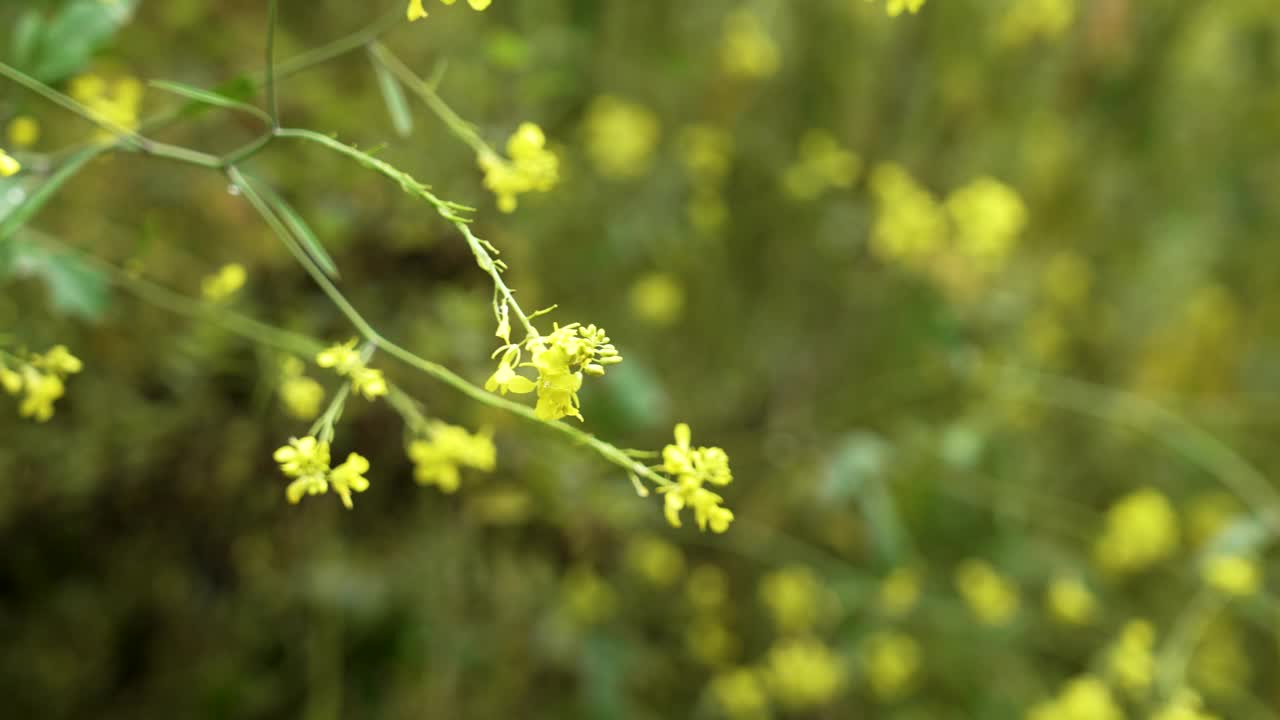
(300, 230)
(208, 97)
(393, 94)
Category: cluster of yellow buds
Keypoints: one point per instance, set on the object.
(345, 360)
(532, 167)
(1141, 530)
(621, 137)
(437, 457)
(307, 460)
(40, 377)
(992, 598)
(560, 358)
(823, 164)
(1131, 660)
(8, 165)
(115, 105)
(692, 468)
(896, 7)
(416, 11)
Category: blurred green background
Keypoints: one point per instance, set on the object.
(932, 405)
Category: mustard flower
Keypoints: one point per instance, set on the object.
(892, 661)
(1141, 529)
(345, 360)
(41, 377)
(991, 597)
(1069, 601)
(794, 597)
(532, 167)
(42, 390)
(1232, 574)
(692, 468)
(1185, 705)
(746, 49)
(349, 477)
(740, 693)
(560, 359)
(823, 164)
(8, 165)
(416, 11)
(301, 396)
(113, 104)
(804, 674)
(910, 225)
(988, 217)
(438, 456)
(1083, 698)
(307, 460)
(895, 8)
(1131, 660)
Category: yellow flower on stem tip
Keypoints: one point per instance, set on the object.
(8, 166)
(416, 11)
(505, 379)
(691, 468)
(349, 477)
(345, 360)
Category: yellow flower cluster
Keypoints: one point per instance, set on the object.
(560, 360)
(437, 458)
(1185, 705)
(988, 217)
(416, 11)
(823, 164)
(8, 165)
(114, 104)
(654, 559)
(1131, 660)
(746, 49)
(532, 167)
(300, 395)
(345, 360)
(1029, 19)
(40, 377)
(1232, 574)
(740, 693)
(892, 660)
(706, 153)
(803, 673)
(911, 225)
(657, 298)
(621, 137)
(1141, 529)
(896, 7)
(224, 283)
(307, 460)
(692, 468)
(1083, 698)
(991, 597)
(899, 592)
(1069, 601)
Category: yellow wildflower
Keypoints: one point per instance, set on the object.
(746, 49)
(621, 137)
(657, 298)
(346, 361)
(23, 131)
(1131, 660)
(1083, 698)
(560, 359)
(691, 468)
(532, 167)
(823, 164)
(794, 598)
(988, 216)
(113, 104)
(1232, 574)
(349, 477)
(740, 693)
(803, 673)
(301, 396)
(307, 460)
(892, 661)
(42, 390)
(8, 165)
(42, 379)
(910, 225)
(437, 457)
(1141, 529)
(226, 282)
(1069, 601)
(1185, 705)
(896, 7)
(416, 11)
(992, 598)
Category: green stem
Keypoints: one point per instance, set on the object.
(425, 92)
(273, 104)
(43, 194)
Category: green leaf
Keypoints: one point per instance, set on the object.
(76, 288)
(207, 97)
(393, 94)
(306, 237)
(70, 39)
(26, 36)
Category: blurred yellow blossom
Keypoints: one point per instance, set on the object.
(8, 165)
(416, 11)
(1083, 698)
(1028, 19)
(40, 377)
(1232, 574)
(532, 167)
(710, 642)
(1140, 530)
(114, 104)
(794, 597)
(992, 598)
(23, 131)
(988, 217)
(892, 660)
(1185, 705)
(910, 225)
(1069, 601)
(657, 298)
(656, 560)
(345, 360)
(437, 457)
(300, 395)
(740, 693)
(621, 137)
(707, 588)
(803, 673)
(899, 591)
(746, 48)
(823, 164)
(224, 283)
(895, 8)
(706, 153)
(1131, 660)
(587, 597)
